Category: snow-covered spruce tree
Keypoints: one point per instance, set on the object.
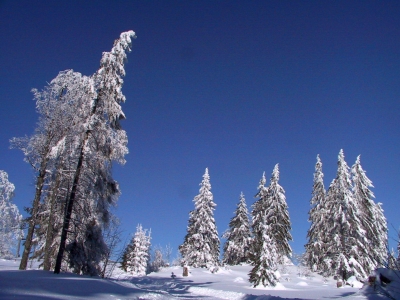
(136, 255)
(272, 205)
(201, 245)
(372, 220)
(105, 116)
(316, 235)
(277, 217)
(237, 245)
(10, 218)
(265, 262)
(257, 214)
(344, 248)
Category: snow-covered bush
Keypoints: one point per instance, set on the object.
(10, 218)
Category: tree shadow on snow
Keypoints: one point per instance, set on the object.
(37, 284)
(267, 297)
(177, 287)
(342, 295)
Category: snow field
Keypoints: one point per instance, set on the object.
(228, 283)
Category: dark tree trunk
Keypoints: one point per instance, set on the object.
(70, 205)
(35, 208)
(50, 225)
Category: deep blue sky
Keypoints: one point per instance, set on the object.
(235, 86)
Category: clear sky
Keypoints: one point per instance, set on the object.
(235, 86)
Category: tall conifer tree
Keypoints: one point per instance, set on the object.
(277, 216)
(372, 220)
(343, 254)
(272, 207)
(201, 245)
(317, 234)
(257, 214)
(237, 245)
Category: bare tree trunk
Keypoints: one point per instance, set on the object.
(18, 247)
(70, 205)
(50, 225)
(35, 208)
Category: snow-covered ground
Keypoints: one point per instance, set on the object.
(227, 283)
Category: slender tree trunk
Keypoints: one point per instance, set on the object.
(70, 205)
(35, 208)
(18, 247)
(50, 225)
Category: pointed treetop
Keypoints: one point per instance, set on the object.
(206, 178)
(275, 173)
(358, 159)
(318, 167)
(341, 160)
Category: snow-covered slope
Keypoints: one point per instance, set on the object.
(228, 283)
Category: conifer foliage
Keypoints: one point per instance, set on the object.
(277, 216)
(265, 262)
(372, 219)
(257, 213)
(348, 232)
(271, 208)
(237, 245)
(344, 226)
(271, 226)
(317, 235)
(201, 245)
(136, 255)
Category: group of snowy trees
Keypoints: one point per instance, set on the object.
(264, 244)
(348, 232)
(77, 139)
